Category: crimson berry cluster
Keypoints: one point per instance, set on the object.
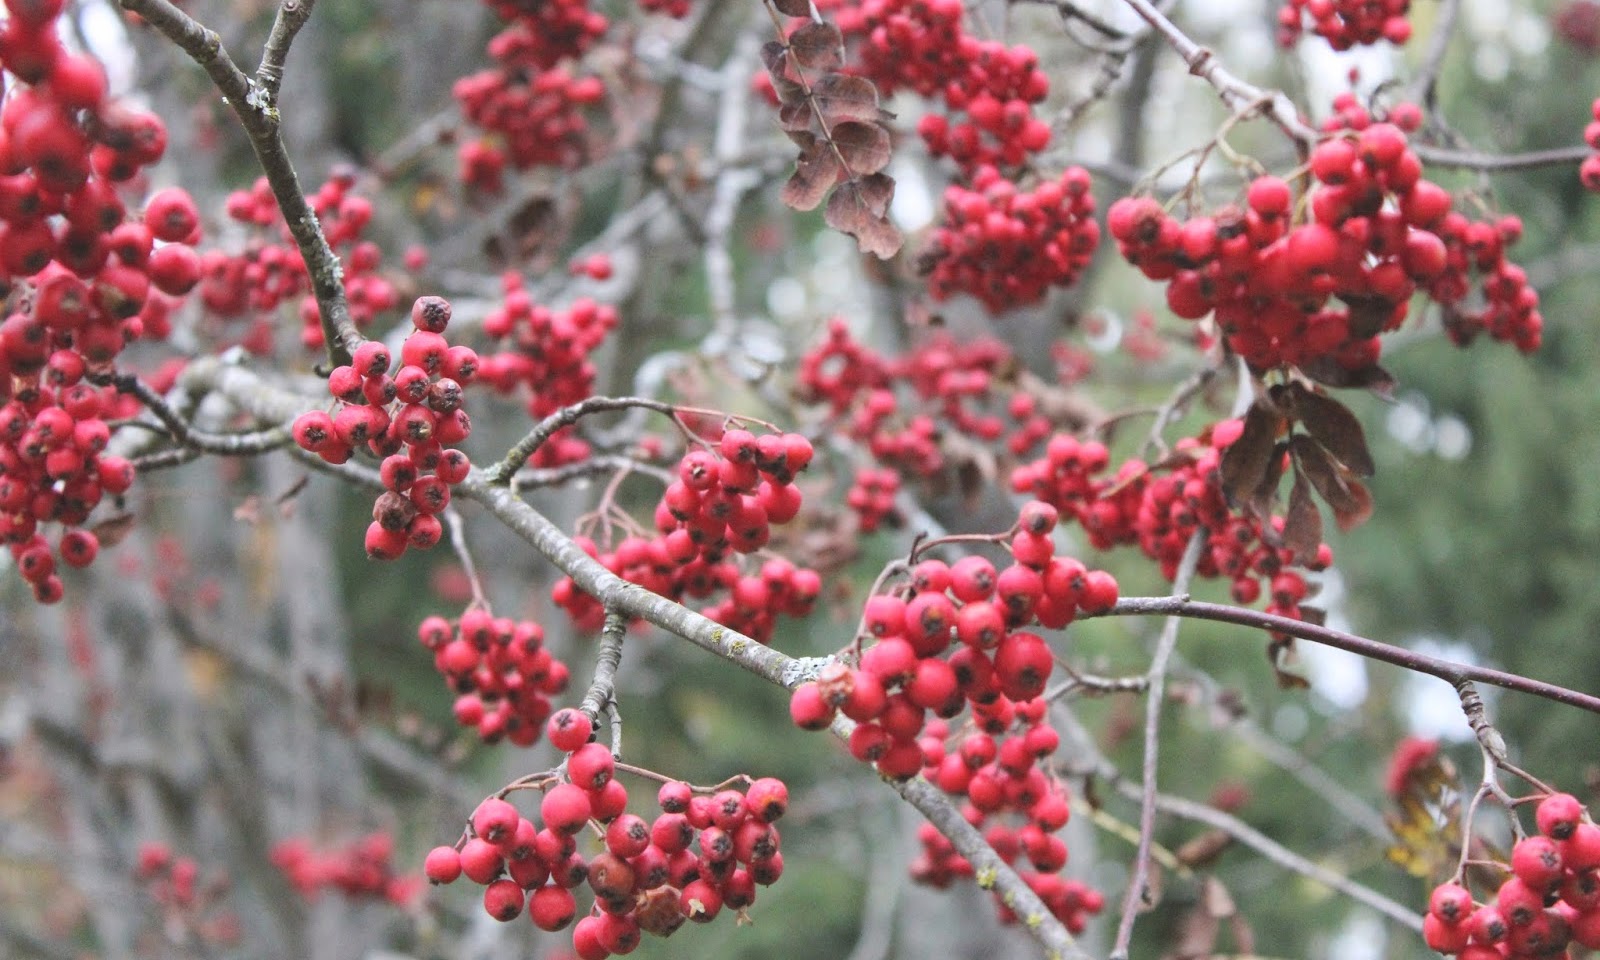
(270, 271)
(1346, 23)
(999, 670)
(83, 279)
(1161, 511)
(1018, 805)
(723, 502)
(500, 670)
(954, 382)
(872, 496)
(1550, 900)
(925, 47)
(363, 869)
(549, 356)
(530, 102)
(648, 878)
(407, 419)
(1005, 246)
(1378, 233)
(1589, 171)
(175, 885)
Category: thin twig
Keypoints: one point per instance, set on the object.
(458, 543)
(1500, 162)
(1423, 89)
(291, 16)
(1447, 670)
(602, 693)
(189, 436)
(500, 474)
(1155, 698)
(259, 117)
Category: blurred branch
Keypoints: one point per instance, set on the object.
(1423, 89)
(186, 434)
(1500, 162)
(1155, 700)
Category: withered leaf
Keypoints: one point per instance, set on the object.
(1244, 463)
(1332, 424)
(842, 98)
(793, 8)
(1195, 936)
(1216, 898)
(1315, 616)
(1280, 649)
(1369, 316)
(1373, 378)
(795, 117)
(1302, 525)
(1265, 496)
(1351, 502)
(815, 173)
(817, 46)
(1203, 850)
(776, 58)
(860, 210)
(864, 146)
(113, 530)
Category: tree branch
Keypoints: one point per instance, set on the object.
(602, 693)
(259, 116)
(1446, 670)
(291, 16)
(1155, 699)
(501, 473)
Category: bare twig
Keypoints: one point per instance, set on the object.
(1152, 742)
(458, 543)
(259, 116)
(1447, 670)
(1423, 88)
(1500, 162)
(291, 16)
(602, 693)
(187, 435)
(501, 473)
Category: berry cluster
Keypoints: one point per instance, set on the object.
(85, 280)
(528, 101)
(1007, 247)
(872, 497)
(924, 47)
(647, 879)
(1160, 513)
(956, 382)
(1346, 23)
(723, 501)
(407, 419)
(549, 356)
(999, 669)
(360, 870)
(1550, 900)
(1004, 786)
(1589, 171)
(1378, 233)
(174, 885)
(500, 670)
(270, 271)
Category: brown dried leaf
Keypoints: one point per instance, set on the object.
(1368, 315)
(815, 173)
(1203, 850)
(1245, 462)
(776, 58)
(1351, 502)
(1373, 378)
(1302, 525)
(865, 148)
(1195, 937)
(1216, 899)
(793, 8)
(796, 116)
(1316, 616)
(1332, 424)
(817, 46)
(1264, 499)
(842, 98)
(1280, 650)
(859, 210)
(113, 530)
